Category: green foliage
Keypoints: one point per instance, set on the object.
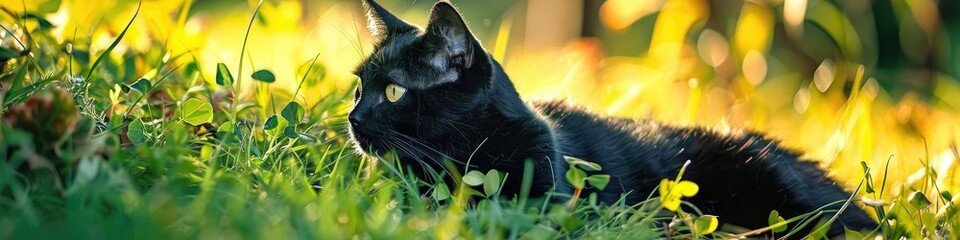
(491, 183)
(600, 181)
(264, 75)
(290, 132)
(918, 200)
(473, 178)
(49, 6)
(293, 112)
(83, 158)
(441, 192)
(42, 23)
(224, 78)
(705, 224)
(578, 177)
(136, 132)
(6, 54)
(196, 112)
(271, 123)
(576, 162)
(141, 86)
(776, 222)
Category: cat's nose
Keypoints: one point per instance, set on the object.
(355, 118)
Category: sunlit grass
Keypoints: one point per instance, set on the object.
(255, 181)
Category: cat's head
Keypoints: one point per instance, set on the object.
(421, 84)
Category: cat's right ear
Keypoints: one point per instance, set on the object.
(447, 24)
(381, 23)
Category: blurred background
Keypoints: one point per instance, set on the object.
(845, 81)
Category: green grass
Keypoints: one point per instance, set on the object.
(89, 153)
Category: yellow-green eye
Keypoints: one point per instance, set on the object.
(394, 92)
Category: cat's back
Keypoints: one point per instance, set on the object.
(570, 120)
(583, 130)
(624, 147)
(638, 147)
(574, 123)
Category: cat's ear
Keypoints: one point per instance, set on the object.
(381, 23)
(447, 25)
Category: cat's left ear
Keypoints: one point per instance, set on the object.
(381, 23)
(448, 26)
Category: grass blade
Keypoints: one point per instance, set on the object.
(243, 49)
(114, 44)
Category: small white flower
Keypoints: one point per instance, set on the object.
(75, 80)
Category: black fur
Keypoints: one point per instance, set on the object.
(477, 116)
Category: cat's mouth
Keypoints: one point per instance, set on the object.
(377, 146)
(370, 142)
(386, 143)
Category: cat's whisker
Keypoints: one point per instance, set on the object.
(410, 140)
(389, 143)
(450, 123)
(400, 145)
(414, 140)
(409, 150)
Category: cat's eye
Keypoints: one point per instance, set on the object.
(394, 92)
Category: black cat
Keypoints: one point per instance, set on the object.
(434, 94)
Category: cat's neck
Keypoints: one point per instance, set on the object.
(506, 99)
(505, 119)
(509, 119)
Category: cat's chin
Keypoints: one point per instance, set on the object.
(375, 147)
(379, 151)
(368, 148)
(369, 145)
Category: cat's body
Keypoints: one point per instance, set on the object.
(433, 94)
(742, 175)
